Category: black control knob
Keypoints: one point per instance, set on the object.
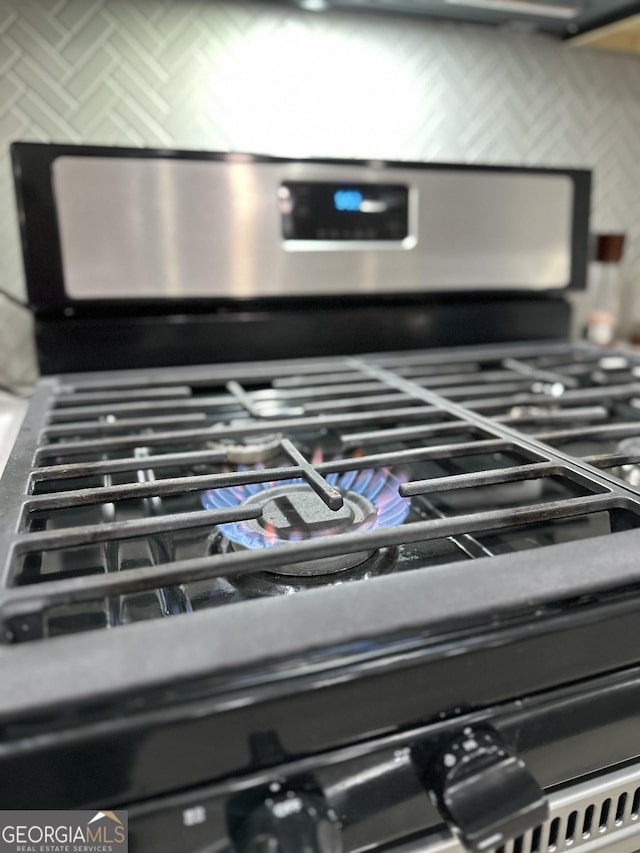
(484, 791)
(290, 822)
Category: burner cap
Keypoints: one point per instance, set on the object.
(295, 512)
(250, 450)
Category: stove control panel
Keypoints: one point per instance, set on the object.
(336, 215)
(377, 799)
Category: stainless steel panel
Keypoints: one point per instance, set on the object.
(192, 228)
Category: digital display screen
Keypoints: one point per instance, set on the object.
(344, 212)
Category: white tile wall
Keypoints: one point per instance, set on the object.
(249, 76)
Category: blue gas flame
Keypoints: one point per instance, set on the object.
(377, 485)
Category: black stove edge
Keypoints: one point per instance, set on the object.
(564, 731)
(251, 637)
(524, 348)
(185, 336)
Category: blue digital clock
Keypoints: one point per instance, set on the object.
(348, 200)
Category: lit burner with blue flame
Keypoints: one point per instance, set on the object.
(292, 511)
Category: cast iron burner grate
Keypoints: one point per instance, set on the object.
(120, 481)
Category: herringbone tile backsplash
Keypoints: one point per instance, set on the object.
(248, 76)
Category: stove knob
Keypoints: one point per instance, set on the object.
(484, 792)
(290, 822)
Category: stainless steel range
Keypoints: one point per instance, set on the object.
(361, 592)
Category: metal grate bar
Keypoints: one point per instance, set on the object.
(96, 397)
(298, 381)
(482, 379)
(482, 478)
(454, 374)
(612, 460)
(581, 353)
(356, 402)
(155, 488)
(421, 367)
(115, 425)
(114, 384)
(329, 494)
(88, 534)
(578, 395)
(360, 439)
(322, 388)
(315, 423)
(131, 463)
(421, 454)
(604, 431)
(20, 602)
(201, 404)
(535, 415)
(481, 390)
(580, 368)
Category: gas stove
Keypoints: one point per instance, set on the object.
(383, 600)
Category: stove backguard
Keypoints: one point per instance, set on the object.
(142, 257)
